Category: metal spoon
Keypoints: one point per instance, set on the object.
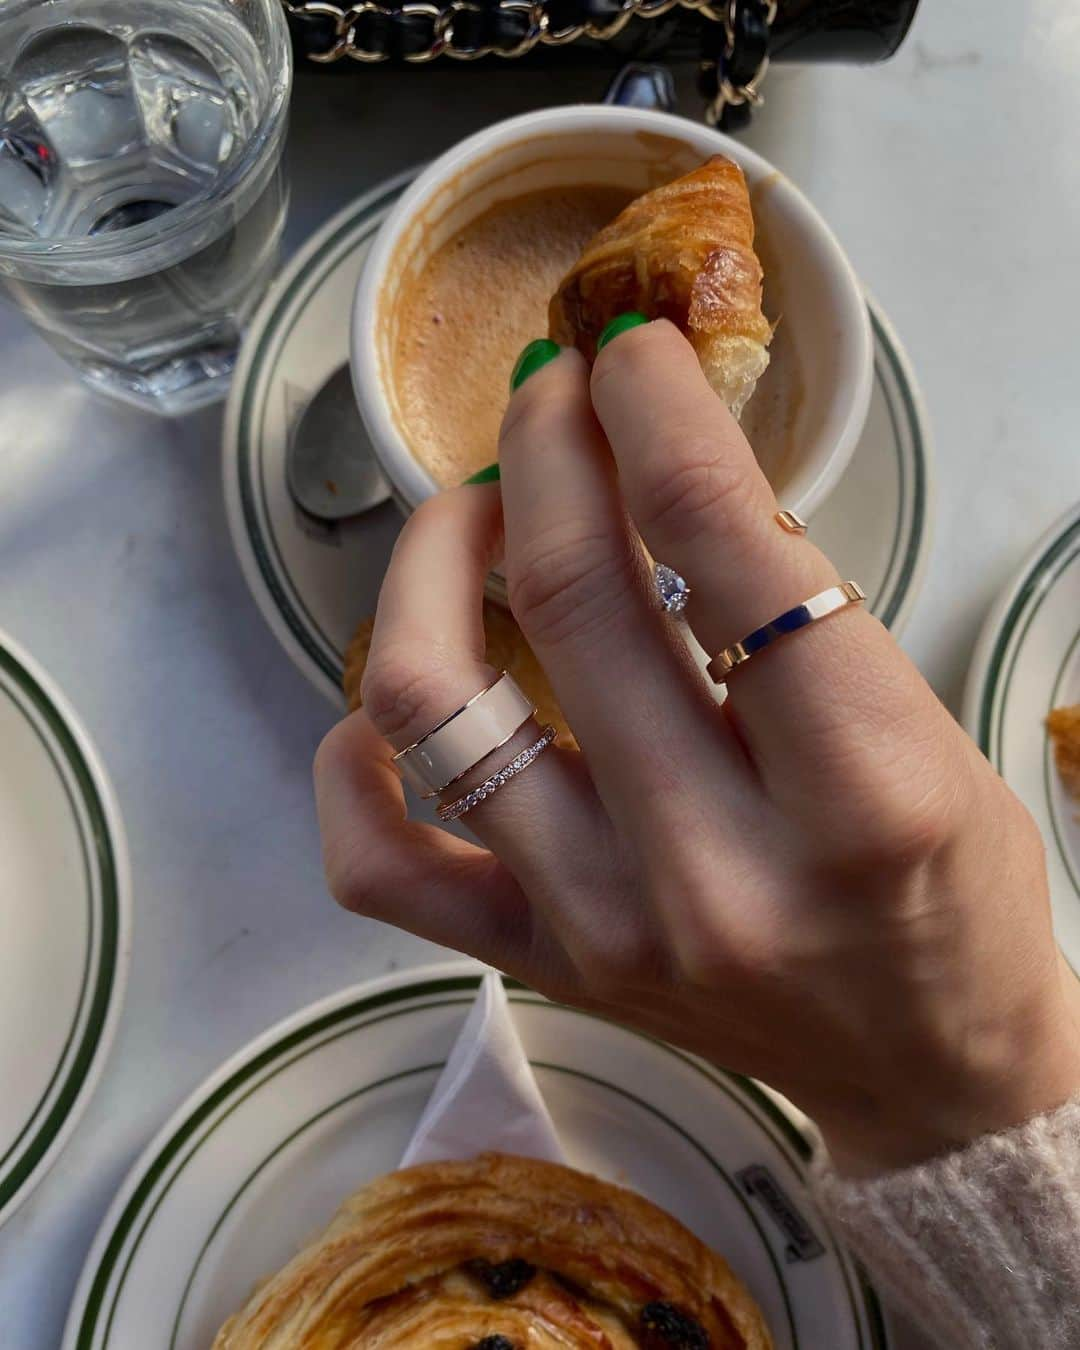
(330, 467)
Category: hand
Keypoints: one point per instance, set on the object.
(822, 883)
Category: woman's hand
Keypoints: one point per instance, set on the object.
(821, 883)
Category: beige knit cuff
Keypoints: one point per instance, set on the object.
(982, 1246)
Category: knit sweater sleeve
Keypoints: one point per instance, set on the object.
(981, 1246)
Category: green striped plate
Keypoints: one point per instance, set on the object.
(257, 1160)
(65, 920)
(314, 583)
(1027, 662)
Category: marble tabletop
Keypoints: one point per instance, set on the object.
(951, 177)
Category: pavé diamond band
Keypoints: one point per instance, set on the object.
(455, 810)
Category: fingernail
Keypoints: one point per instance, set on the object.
(535, 355)
(619, 324)
(490, 474)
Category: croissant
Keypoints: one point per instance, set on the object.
(1064, 727)
(499, 1253)
(682, 252)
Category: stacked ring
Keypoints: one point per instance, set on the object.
(459, 742)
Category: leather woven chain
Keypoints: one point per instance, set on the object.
(417, 31)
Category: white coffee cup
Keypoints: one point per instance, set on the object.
(810, 288)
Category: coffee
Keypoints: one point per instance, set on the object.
(461, 323)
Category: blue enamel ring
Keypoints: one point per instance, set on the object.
(817, 607)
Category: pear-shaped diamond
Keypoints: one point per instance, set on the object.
(671, 590)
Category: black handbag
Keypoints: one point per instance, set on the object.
(733, 41)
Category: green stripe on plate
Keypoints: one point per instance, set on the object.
(104, 921)
(1057, 697)
(887, 606)
(1035, 586)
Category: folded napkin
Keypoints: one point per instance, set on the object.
(486, 1098)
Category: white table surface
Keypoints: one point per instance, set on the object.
(951, 176)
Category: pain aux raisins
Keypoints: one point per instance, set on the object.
(502, 1280)
(666, 1327)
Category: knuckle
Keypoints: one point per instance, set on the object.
(331, 753)
(907, 823)
(694, 933)
(567, 582)
(703, 961)
(401, 694)
(354, 883)
(896, 784)
(690, 487)
(1004, 817)
(716, 951)
(620, 958)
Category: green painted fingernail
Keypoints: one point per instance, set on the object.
(535, 355)
(619, 324)
(490, 474)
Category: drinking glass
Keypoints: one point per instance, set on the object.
(142, 200)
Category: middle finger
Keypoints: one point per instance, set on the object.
(580, 589)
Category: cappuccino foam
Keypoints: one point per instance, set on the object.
(475, 304)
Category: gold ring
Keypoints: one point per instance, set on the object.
(817, 607)
(788, 520)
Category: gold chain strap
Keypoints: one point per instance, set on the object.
(346, 42)
(730, 95)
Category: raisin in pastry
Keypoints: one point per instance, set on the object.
(500, 1253)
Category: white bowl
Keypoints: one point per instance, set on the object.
(823, 340)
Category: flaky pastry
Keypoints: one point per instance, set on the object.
(1063, 725)
(684, 252)
(500, 1253)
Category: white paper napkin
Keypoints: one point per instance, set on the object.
(487, 1098)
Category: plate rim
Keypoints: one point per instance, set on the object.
(1006, 609)
(110, 860)
(991, 662)
(77, 1336)
(382, 195)
(920, 545)
(243, 546)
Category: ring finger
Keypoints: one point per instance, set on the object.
(578, 587)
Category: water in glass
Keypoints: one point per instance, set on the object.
(114, 119)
